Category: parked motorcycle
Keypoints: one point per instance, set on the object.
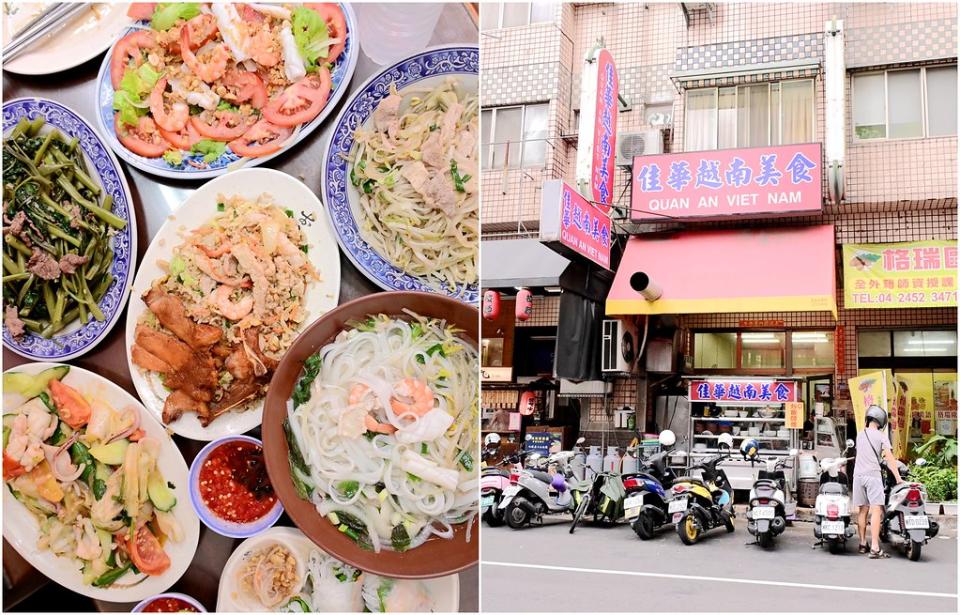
(769, 495)
(905, 521)
(700, 505)
(539, 489)
(601, 497)
(494, 480)
(646, 501)
(832, 509)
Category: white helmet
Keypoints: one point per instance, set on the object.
(492, 439)
(667, 438)
(725, 439)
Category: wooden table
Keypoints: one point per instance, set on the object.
(155, 198)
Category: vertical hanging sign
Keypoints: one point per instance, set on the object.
(597, 139)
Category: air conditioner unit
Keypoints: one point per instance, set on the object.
(643, 143)
(620, 346)
(585, 388)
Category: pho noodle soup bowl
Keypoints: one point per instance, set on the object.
(436, 556)
(230, 488)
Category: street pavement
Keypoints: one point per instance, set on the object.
(610, 569)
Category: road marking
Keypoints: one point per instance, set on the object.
(693, 577)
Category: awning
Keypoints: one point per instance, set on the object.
(519, 262)
(756, 270)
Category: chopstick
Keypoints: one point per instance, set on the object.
(46, 23)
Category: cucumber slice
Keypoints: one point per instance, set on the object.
(111, 454)
(160, 494)
(31, 385)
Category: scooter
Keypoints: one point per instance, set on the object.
(494, 480)
(534, 492)
(700, 505)
(601, 497)
(646, 503)
(832, 510)
(769, 501)
(905, 521)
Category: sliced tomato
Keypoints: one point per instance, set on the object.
(183, 139)
(147, 554)
(249, 87)
(130, 47)
(300, 102)
(262, 139)
(144, 139)
(71, 406)
(248, 13)
(11, 467)
(141, 10)
(331, 13)
(227, 126)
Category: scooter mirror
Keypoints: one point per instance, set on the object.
(920, 462)
(528, 437)
(794, 452)
(581, 440)
(850, 444)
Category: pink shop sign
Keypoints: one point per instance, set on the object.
(756, 181)
(572, 225)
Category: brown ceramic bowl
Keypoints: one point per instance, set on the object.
(436, 557)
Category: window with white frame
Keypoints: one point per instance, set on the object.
(495, 15)
(514, 137)
(905, 103)
(749, 115)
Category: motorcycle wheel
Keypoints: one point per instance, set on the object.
(837, 546)
(643, 526)
(688, 529)
(913, 550)
(765, 539)
(579, 512)
(727, 521)
(517, 516)
(494, 517)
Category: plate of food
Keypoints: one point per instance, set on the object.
(199, 89)
(370, 434)
(229, 281)
(70, 232)
(84, 37)
(400, 176)
(282, 570)
(97, 497)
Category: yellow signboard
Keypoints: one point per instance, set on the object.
(918, 391)
(912, 274)
(945, 402)
(880, 388)
(793, 413)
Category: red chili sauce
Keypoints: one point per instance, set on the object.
(169, 605)
(234, 483)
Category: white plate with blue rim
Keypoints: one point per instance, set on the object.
(193, 165)
(341, 198)
(77, 339)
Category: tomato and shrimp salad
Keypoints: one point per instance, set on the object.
(233, 482)
(207, 77)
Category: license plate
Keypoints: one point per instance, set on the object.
(763, 512)
(486, 501)
(831, 527)
(916, 522)
(677, 517)
(634, 501)
(678, 505)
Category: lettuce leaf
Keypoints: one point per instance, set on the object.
(166, 14)
(130, 99)
(210, 149)
(311, 35)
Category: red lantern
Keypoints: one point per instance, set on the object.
(528, 403)
(524, 304)
(491, 305)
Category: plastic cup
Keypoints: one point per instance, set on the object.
(391, 32)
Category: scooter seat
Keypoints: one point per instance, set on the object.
(833, 488)
(688, 479)
(766, 483)
(541, 476)
(495, 472)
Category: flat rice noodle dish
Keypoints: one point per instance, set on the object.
(382, 430)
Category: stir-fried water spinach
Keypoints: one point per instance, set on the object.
(57, 232)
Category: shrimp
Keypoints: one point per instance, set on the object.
(211, 69)
(358, 396)
(412, 396)
(290, 252)
(179, 114)
(216, 252)
(226, 307)
(262, 48)
(212, 268)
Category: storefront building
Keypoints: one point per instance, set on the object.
(802, 286)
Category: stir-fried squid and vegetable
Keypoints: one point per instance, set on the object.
(415, 168)
(382, 431)
(206, 77)
(58, 231)
(231, 303)
(89, 475)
